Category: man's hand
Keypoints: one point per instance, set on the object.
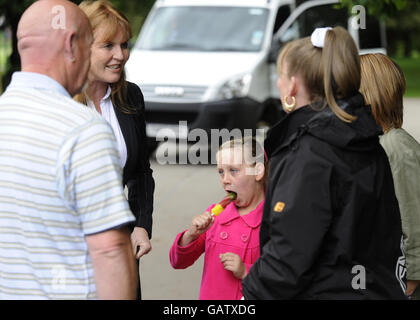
(140, 238)
(234, 263)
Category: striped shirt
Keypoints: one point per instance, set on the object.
(60, 180)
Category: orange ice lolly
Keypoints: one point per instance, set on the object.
(218, 208)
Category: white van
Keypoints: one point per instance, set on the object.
(211, 63)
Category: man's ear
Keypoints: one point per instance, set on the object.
(70, 44)
(260, 170)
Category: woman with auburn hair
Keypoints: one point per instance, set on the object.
(121, 103)
(331, 226)
(383, 86)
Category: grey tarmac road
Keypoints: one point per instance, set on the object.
(183, 191)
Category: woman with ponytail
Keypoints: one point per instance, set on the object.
(331, 226)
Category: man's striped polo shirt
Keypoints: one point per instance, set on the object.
(60, 179)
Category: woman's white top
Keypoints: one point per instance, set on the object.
(108, 113)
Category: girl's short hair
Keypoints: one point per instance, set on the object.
(252, 153)
(329, 73)
(101, 13)
(383, 86)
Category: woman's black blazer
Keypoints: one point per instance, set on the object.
(137, 174)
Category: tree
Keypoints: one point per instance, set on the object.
(135, 11)
(12, 10)
(380, 8)
(402, 20)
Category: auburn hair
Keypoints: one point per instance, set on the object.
(329, 73)
(383, 86)
(102, 14)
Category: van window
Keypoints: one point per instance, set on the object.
(282, 14)
(371, 36)
(318, 16)
(197, 28)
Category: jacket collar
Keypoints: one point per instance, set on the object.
(360, 135)
(25, 80)
(252, 219)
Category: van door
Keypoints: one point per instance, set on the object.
(323, 13)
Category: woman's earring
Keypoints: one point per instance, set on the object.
(287, 106)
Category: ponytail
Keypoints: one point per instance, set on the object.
(341, 66)
(329, 73)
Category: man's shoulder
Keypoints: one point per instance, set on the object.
(52, 105)
(67, 104)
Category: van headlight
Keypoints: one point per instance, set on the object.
(237, 87)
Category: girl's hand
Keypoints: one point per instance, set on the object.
(234, 263)
(199, 225)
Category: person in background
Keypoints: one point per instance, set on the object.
(230, 240)
(383, 86)
(331, 226)
(121, 104)
(63, 212)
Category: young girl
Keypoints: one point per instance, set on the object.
(230, 240)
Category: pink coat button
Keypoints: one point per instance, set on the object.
(244, 238)
(223, 235)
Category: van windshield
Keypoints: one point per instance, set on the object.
(197, 28)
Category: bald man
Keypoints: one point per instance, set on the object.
(63, 213)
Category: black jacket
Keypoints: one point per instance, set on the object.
(331, 215)
(137, 174)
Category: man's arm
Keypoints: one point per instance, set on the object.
(113, 264)
(90, 183)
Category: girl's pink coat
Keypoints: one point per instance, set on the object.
(229, 233)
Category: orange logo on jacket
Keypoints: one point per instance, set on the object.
(279, 206)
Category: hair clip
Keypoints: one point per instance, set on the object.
(318, 37)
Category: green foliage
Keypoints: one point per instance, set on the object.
(402, 20)
(13, 8)
(5, 50)
(411, 69)
(379, 8)
(135, 11)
